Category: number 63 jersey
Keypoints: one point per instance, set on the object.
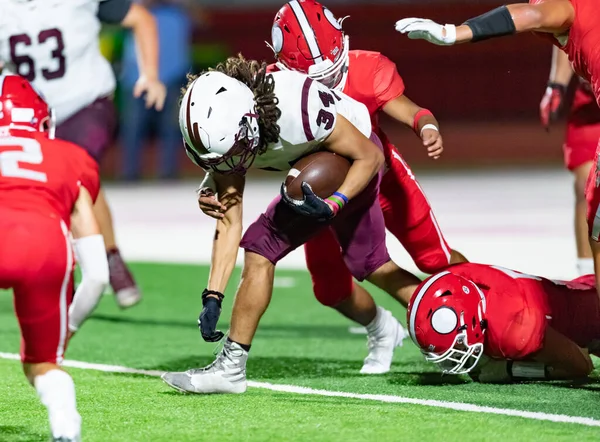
(54, 44)
(309, 111)
(42, 175)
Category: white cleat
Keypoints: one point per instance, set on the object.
(227, 374)
(65, 427)
(128, 297)
(382, 343)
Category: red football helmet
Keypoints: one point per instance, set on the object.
(23, 107)
(306, 37)
(446, 319)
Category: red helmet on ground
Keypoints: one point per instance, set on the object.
(306, 37)
(23, 107)
(446, 319)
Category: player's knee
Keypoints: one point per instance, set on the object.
(332, 291)
(255, 264)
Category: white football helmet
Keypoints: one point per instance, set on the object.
(219, 123)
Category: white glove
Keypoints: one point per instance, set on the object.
(422, 28)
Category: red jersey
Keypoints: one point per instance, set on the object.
(521, 306)
(41, 175)
(584, 110)
(372, 80)
(583, 42)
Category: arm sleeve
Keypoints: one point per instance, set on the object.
(113, 11)
(387, 83)
(89, 175)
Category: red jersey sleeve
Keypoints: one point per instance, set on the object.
(524, 334)
(89, 174)
(387, 83)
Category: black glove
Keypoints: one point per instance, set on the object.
(311, 206)
(207, 321)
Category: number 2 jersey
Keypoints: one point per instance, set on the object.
(43, 176)
(54, 44)
(521, 306)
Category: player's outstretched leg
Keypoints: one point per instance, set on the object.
(384, 332)
(227, 374)
(126, 290)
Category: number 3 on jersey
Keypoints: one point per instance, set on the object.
(21, 150)
(49, 36)
(325, 117)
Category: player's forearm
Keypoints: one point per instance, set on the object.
(143, 25)
(554, 16)
(224, 254)
(561, 71)
(361, 173)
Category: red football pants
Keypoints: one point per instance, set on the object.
(408, 216)
(36, 261)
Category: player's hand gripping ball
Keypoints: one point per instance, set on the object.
(310, 184)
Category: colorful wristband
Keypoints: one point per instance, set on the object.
(337, 201)
(418, 116)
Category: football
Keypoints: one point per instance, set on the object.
(324, 171)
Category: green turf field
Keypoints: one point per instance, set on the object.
(299, 343)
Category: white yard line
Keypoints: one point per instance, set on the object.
(458, 406)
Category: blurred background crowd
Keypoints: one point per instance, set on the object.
(485, 96)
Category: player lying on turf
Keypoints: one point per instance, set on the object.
(500, 325)
(581, 140)
(270, 121)
(55, 46)
(45, 186)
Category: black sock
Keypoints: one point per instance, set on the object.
(244, 346)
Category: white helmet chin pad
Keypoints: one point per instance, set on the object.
(219, 123)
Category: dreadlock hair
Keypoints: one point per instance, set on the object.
(254, 75)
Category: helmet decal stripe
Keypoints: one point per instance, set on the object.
(307, 31)
(304, 103)
(192, 129)
(417, 301)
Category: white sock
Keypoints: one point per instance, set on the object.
(585, 266)
(57, 392)
(376, 325)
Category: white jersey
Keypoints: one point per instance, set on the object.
(309, 113)
(54, 44)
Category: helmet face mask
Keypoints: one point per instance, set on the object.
(219, 124)
(306, 37)
(238, 159)
(447, 321)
